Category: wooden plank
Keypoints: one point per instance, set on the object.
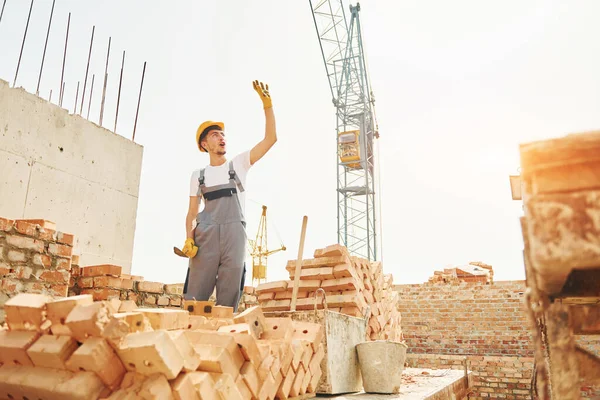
(298, 266)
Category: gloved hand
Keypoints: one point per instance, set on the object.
(263, 91)
(189, 248)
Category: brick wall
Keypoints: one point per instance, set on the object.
(446, 324)
(106, 281)
(465, 318)
(33, 258)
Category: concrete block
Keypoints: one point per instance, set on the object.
(14, 345)
(96, 355)
(52, 351)
(151, 352)
(27, 311)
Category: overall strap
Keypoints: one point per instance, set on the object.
(233, 176)
(201, 182)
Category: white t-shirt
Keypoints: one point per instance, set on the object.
(220, 176)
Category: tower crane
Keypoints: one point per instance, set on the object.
(342, 49)
(259, 250)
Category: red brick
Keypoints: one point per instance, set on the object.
(102, 294)
(174, 289)
(65, 238)
(54, 276)
(99, 270)
(75, 259)
(150, 287)
(10, 285)
(22, 272)
(60, 250)
(176, 301)
(43, 260)
(4, 269)
(63, 264)
(75, 270)
(6, 224)
(131, 295)
(34, 287)
(85, 282)
(150, 300)
(41, 222)
(48, 235)
(249, 289)
(163, 301)
(59, 290)
(26, 228)
(26, 243)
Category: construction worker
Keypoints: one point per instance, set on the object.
(217, 245)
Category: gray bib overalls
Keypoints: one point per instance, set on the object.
(220, 235)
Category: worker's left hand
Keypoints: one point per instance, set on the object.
(263, 91)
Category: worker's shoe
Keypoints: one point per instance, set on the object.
(189, 248)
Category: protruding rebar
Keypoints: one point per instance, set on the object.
(91, 93)
(86, 71)
(62, 74)
(119, 94)
(37, 90)
(22, 44)
(76, 97)
(61, 94)
(2, 12)
(105, 80)
(138, 104)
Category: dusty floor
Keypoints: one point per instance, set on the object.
(418, 384)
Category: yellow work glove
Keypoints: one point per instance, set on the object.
(263, 91)
(189, 248)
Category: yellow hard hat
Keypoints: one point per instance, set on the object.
(201, 129)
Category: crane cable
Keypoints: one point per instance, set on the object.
(272, 223)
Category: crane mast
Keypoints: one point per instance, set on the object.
(342, 49)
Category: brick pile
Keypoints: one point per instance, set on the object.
(78, 348)
(465, 274)
(34, 258)
(352, 286)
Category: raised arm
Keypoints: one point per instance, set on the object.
(270, 138)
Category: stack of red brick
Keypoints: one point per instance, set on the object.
(352, 286)
(75, 348)
(474, 272)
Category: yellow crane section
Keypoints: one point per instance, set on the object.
(259, 250)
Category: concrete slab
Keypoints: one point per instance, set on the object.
(422, 384)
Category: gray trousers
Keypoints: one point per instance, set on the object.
(219, 262)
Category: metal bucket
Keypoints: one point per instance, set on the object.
(381, 365)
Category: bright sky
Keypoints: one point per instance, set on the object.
(458, 86)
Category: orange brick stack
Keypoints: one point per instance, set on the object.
(78, 348)
(353, 286)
